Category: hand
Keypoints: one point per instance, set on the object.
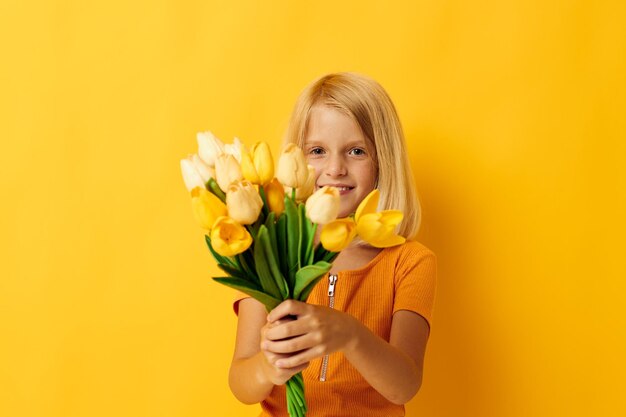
(317, 331)
(277, 375)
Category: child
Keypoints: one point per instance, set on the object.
(361, 337)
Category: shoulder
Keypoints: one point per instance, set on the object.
(411, 254)
(411, 251)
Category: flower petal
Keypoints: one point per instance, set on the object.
(368, 205)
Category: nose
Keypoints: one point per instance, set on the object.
(335, 166)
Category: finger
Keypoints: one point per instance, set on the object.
(291, 345)
(287, 308)
(284, 320)
(299, 359)
(287, 329)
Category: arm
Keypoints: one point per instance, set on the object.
(252, 373)
(393, 368)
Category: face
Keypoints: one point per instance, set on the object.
(336, 147)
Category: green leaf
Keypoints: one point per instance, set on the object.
(303, 229)
(244, 260)
(309, 275)
(264, 237)
(271, 229)
(291, 212)
(233, 272)
(281, 241)
(262, 268)
(308, 253)
(246, 287)
(225, 260)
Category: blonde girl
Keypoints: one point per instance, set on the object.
(360, 339)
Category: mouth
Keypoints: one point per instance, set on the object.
(343, 189)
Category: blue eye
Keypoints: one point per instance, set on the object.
(357, 152)
(316, 151)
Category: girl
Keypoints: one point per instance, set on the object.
(361, 337)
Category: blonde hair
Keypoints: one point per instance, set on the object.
(369, 105)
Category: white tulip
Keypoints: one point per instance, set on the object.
(234, 149)
(227, 171)
(209, 147)
(191, 176)
(323, 206)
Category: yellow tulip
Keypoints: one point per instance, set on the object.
(292, 167)
(338, 234)
(206, 207)
(229, 238)
(227, 171)
(368, 205)
(243, 202)
(323, 206)
(275, 196)
(263, 162)
(247, 168)
(209, 147)
(377, 228)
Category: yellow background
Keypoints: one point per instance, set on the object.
(515, 115)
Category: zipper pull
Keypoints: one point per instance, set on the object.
(331, 285)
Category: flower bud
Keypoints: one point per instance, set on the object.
(247, 168)
(229, 238)
(303, 192)
(234, 149)
(243, 202)
(191, 176)
(206, 207)
(227, 171)
(377, 228)
(338, 234)
(275, 196)
(292, 167)
(209, 147)
(323, 206)
(263, 162)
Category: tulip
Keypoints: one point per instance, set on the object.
(243, 202)
(304, 192)
(275, 196)
(229, 238)
(248, 170)
(234, 149)
(263, 162)
(292, 167)
(227, 171)
(206, 207)
(377, 228)
(195, 172)
(323, 206)
(338, 234)
(191, 176)
(209, 147)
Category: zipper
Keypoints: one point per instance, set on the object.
(332, 280)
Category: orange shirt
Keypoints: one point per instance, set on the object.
(398, 278)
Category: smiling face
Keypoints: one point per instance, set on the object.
(335, 145)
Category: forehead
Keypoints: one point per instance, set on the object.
(329, 123)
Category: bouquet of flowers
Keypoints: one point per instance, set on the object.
(261, 227)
